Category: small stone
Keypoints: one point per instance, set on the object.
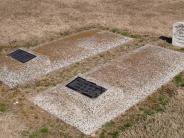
(93, 135)
(16, 103)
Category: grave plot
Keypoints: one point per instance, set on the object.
(21, 66)
(90, 100)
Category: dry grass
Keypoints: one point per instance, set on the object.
(158, 116)
(29, 22)
(165, 124)
(11, 126)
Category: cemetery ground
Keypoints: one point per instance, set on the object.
(160, 115)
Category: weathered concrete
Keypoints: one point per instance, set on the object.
(57, 54)
(129, 79)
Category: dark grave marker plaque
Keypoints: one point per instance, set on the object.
(21, 55)
(86, 88)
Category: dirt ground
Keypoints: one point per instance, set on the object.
(31, 22)
(11, 126)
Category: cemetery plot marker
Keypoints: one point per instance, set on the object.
(178, 34)
(22, 56)
(85, 87)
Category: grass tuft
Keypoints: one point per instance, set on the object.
(44, 130)
(179, 81)
(181, 49)
(125, 33)
(39, 133)
(148, 111)
(108, 124)
(3, 107)
(126, 126)
(114, 134)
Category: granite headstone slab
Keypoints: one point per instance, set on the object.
(178, 34)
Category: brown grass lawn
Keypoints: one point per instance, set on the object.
(30, 22)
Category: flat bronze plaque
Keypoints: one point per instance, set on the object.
(86, 88)
(22, 56)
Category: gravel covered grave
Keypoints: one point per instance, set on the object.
(128, 79)
(56, 55)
